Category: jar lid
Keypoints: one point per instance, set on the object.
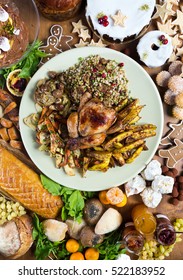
(161, 216)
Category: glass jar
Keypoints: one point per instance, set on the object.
(133, 240)
(165, 233)
(58, 10)
(143, 219)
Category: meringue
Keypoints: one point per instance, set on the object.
(163, 184)
(135, 186)
(152, 169)
(151, 198)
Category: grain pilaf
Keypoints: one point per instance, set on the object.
(103, 78)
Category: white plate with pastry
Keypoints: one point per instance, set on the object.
(140, 86)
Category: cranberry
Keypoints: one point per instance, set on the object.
(20, 84)
(121, 64)
(165, 42)
(105, 18)
(162, 37)
(94, 70)
(100, 20)
(105, 23)
(103, 75)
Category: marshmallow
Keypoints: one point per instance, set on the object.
(153, 50)
(3, 15)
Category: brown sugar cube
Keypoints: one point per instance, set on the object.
(180, 197)
(164, 169)
(175, 192)
(174, 201)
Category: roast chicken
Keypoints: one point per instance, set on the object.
(87, 127)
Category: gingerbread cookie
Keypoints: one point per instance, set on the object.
(173, 154)
(56, 43)
(176, 132)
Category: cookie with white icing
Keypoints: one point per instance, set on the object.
(119, 20)
(154, 48)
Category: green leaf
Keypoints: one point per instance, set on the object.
(51, 186)
(28, 65)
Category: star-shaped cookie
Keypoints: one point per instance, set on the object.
(78, 26)
(179, 20)
(119, 18)
(84, 34)
(163, 11)
(81, 44)
(166, 27)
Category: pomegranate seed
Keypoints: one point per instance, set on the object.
(165, 42)
(94, 70)
(121, 64)
(105, 23)
(103, 75)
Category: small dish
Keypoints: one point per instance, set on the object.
(19, 28)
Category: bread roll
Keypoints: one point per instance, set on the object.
(16, 237)
(22, 184)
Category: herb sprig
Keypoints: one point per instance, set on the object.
(28, 65)
(74, 200)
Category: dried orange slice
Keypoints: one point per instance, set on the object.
(123, 202)
(102, 197)
(115, 195)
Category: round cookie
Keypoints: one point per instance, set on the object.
(154, 48)
(119, 20)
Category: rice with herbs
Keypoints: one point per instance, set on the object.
(103, 78)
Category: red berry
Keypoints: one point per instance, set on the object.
(165, 42)
(100, 20)
(121, 64)
(105, 23)
(105, 18)
(162, 37)
(103, 75)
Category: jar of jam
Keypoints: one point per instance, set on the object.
(143, 219)
(58, 10)
(132, 239)
(165, 233)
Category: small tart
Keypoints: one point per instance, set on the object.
(15, 84)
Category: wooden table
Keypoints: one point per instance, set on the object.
(130, 49)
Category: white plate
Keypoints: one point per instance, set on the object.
(140, 85)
